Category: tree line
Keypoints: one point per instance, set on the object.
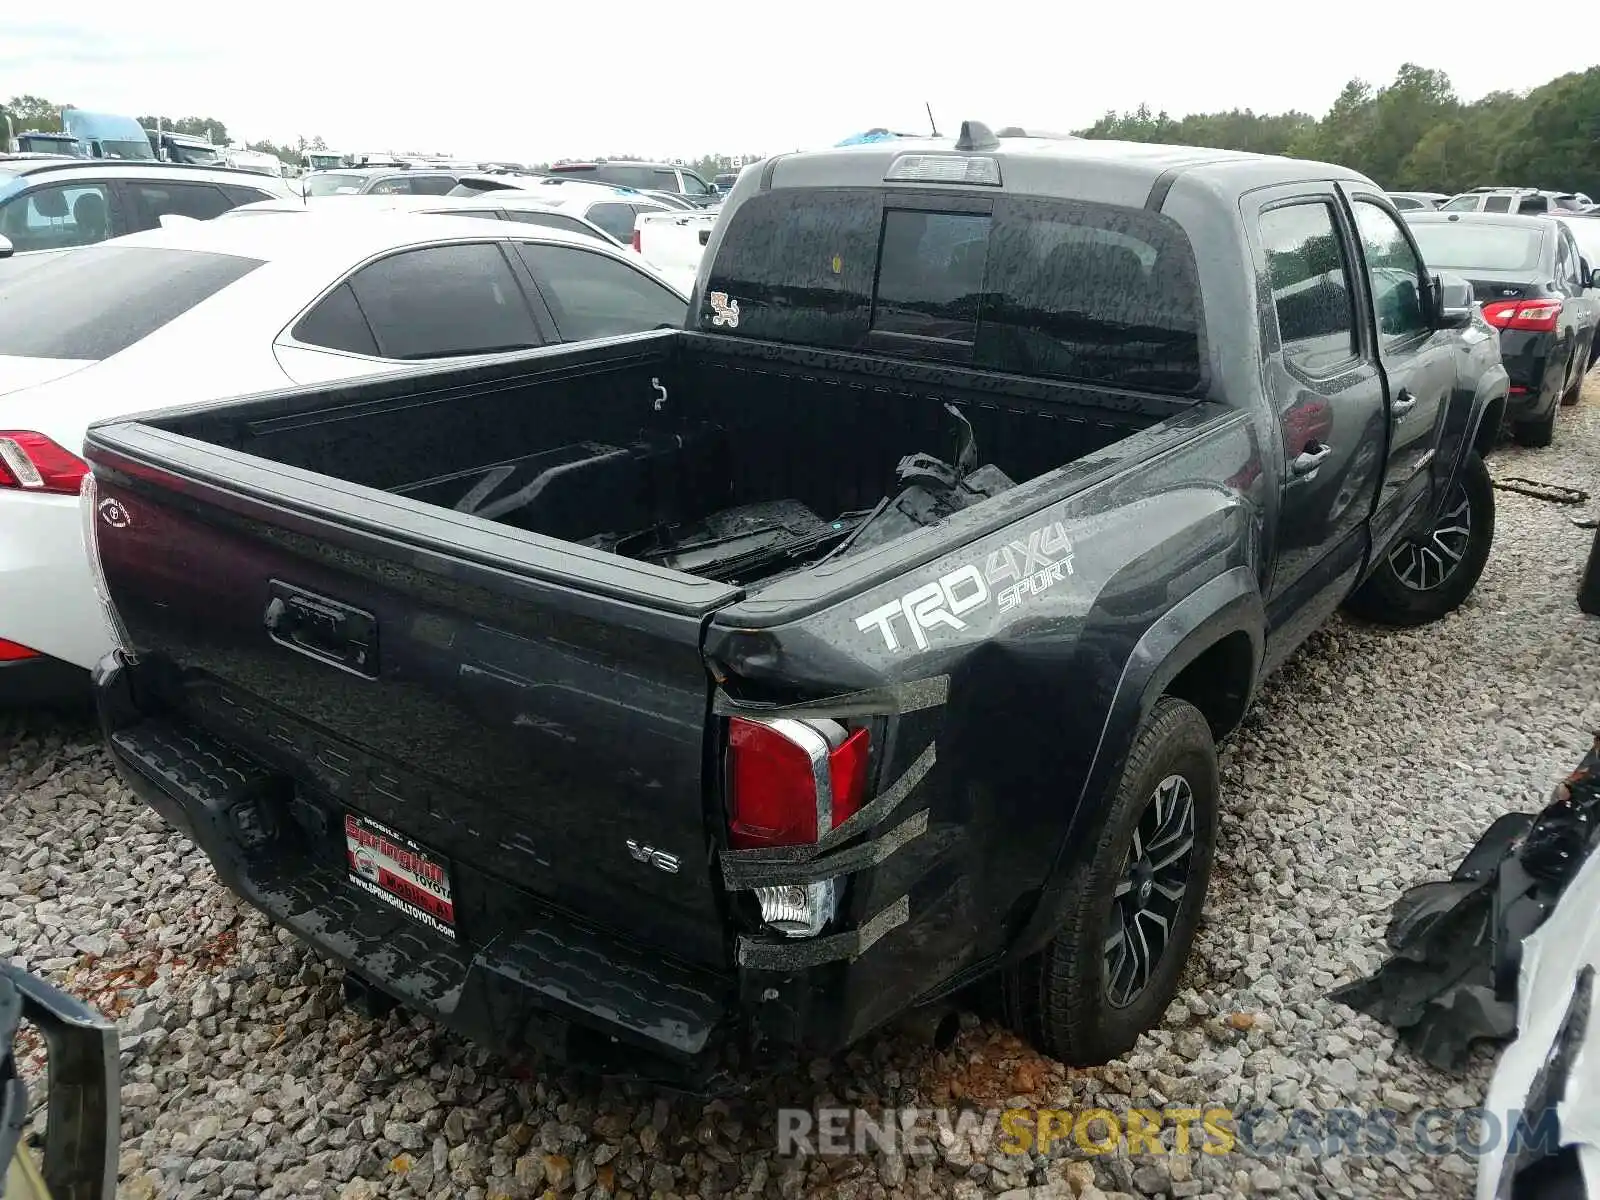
(1415, 134)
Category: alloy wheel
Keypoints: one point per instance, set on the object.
(1151, 891)
(1422, 564)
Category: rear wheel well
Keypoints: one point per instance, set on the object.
(1489, 428)
(1218, 682)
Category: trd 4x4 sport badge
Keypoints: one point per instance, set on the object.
(1032, 566)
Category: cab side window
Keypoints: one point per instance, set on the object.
(432, 185)
(1310, 280)
(593, 295)
(1394, 273)
(57, 216)
(444, 301)
(199, 201)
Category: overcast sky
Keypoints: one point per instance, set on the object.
(572, 79)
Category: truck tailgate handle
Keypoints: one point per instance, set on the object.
(1309, 459)
(318, 627)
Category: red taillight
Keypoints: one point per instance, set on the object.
(636, 241)
(15, 651)
(782, 773)
(34, 463)
(1537, 316)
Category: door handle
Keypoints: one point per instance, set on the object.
(1403, 403)
(1308, 460)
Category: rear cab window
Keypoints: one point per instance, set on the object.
(333, 184)
(1054, 288)
(198, 201)
(100, 300)
(1482, 247)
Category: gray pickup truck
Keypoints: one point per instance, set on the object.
(748, 684)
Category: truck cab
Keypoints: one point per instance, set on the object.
(32, 141)
(184, 148)
(108, 135)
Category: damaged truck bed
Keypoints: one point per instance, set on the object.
(738, 688)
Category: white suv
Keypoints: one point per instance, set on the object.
(55, 204)
(1515, 200)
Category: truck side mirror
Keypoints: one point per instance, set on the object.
(1454, 298)
(6, 247)
(1590, 277)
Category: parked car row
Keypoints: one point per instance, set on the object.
(1496, 199)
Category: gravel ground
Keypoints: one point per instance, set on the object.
(1373, 760)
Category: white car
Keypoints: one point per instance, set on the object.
(207, 310)
(573, 207)
(1546, 1087)
(675, 242)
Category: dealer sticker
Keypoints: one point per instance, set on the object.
(396, 870)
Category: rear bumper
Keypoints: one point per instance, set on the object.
(1537, 372)
(554, 986)
(47, 598)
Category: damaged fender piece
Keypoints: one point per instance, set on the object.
(1458, 945)
(792, 955)
(742, 874)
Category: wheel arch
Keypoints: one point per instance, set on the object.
(1207, 650)
(1489, 425)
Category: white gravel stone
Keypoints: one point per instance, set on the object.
(1371, 762)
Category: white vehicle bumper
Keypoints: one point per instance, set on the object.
(47, 600)
(1554, 962)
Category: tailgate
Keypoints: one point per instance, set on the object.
(530, 715)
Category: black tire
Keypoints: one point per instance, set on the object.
(1574, 391)
(1537, 433)
(1401, 592)
(1062, 999)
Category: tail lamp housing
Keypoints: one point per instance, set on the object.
(89, 508)
(789, 782)
(1536, 316)
(31, 462)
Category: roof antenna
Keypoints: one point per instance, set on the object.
(931, 123)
